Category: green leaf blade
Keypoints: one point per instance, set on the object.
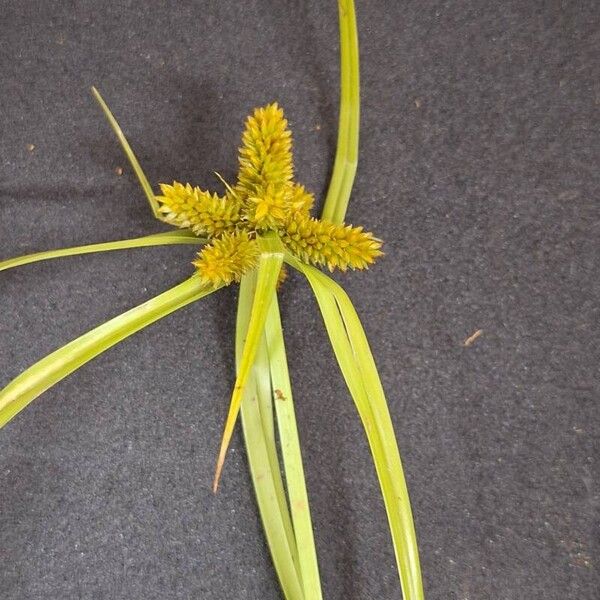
(129, 154)
(264, 405)
(270, 262)
(159, 239)
(262, 459)
(292, 455)
(62, 362)
(276, 523)
(356, 362)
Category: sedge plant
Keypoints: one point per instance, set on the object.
(249, 234)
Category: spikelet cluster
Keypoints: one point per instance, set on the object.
(300, 201)
(266, 151)
(266, 168)
(264, 198)
(205, 213)
(327, 244)
(227, 258)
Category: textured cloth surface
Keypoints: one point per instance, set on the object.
(478, 168)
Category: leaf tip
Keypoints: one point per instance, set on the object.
(219, 469)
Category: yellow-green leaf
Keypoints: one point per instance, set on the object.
(62, 362)
(269, 265)
(159, 239)
(356, 362)
(129, 154)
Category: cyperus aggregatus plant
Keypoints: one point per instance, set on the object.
(265, 213)
(259, 223)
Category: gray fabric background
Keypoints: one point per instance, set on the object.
(478, 167)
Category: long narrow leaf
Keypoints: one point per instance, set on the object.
(266, 477)
(292, 455)
(264, 405)
(268, 270)
(130, 155)
(159, 239)
(346, 158)
(62, 362)
(358, 367)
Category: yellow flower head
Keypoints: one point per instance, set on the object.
(227, 258)
(205, 213)
(266, 152)
(335, 246)
(265, 198)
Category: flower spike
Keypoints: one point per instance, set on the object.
(265, 198)
(266, 152)
(205, 213)
(227, 258)
(335, 246)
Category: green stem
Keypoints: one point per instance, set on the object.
(159, 239)
(346, 158)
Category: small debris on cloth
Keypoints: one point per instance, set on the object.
(469, 341)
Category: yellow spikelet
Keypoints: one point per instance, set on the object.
(227, 258)
(269, 209)
(336, 246)
(266, 169)
(300, 201)
(205, 213)
(266, 152)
